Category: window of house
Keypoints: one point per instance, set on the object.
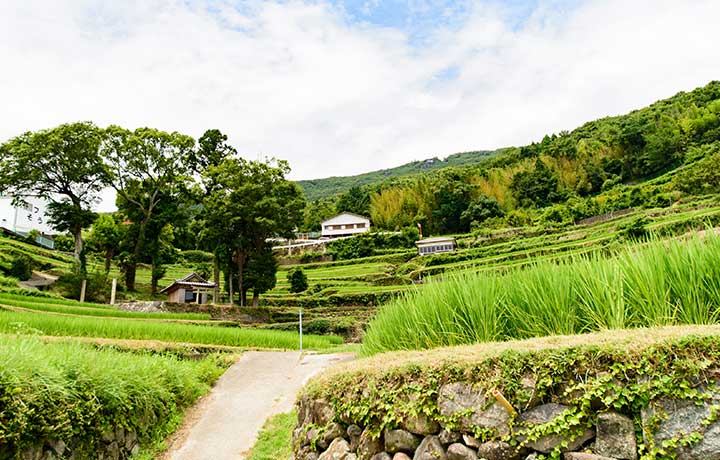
(190, 296)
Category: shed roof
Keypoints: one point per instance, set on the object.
(435, 240)
(345, 214)
(193, 280)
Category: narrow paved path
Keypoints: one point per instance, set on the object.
(225, 424)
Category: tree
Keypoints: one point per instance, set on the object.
(63, 166)
(538, 187)
(452, 197)
(298, 280)
(261, 271)
(148, 166)
(251, 203)
(105, 237)
(355, 200)
(212, 150)
(480, 210)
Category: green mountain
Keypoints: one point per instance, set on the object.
(330, 186)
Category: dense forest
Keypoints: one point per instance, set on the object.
(649, 157)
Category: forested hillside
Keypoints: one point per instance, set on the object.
(649, 157)
(328, 187)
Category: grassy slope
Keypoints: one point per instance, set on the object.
(320, 188)
(71, 390)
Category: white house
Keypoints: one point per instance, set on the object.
(345, 224)
(435, 245)
(22, 219)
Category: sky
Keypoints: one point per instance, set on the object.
(349, 86)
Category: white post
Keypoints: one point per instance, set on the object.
(301, 344)
(114, 290)
(82, 291)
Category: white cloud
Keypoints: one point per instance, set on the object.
(299, 81)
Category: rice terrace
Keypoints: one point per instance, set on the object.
(170, 290)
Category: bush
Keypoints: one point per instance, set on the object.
(298, 280)
(352, 248)
(196, 257)
(311, 256)
(64, 242)
(96, 289)
(636, 228)
(21, 267)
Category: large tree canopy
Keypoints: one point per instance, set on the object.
(148, 166)
(61, 165)
(252, 201)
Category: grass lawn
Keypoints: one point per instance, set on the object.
(275, 438)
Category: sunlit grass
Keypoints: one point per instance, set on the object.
(653, 284)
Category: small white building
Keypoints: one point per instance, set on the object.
(23, 219)
(345, 224)
(435, 245)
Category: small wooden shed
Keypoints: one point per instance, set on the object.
(191, 289)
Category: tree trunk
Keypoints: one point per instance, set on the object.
(132, 266)
(230, 283)
(216, 278)
(108, 259)
(78, 254)
(153, 277)
(241, 266)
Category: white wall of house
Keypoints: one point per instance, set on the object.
(435, 245)
(345, 224)
(22, 219)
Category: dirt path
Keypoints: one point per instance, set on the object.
(225, 424)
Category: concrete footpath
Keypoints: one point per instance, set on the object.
(224, 425)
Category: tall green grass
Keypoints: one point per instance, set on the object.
(116, 328)
(651, 284)
(74, 391)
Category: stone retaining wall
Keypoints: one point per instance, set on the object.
(473, 425)
(112, 445)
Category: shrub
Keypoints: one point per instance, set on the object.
(196, 257)
(311, 256)
(21, 267)
(636, 228)
(32, 236)
(352, 248)
(96, 289)
(64, 242)
(298, 280)
(702, 176)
